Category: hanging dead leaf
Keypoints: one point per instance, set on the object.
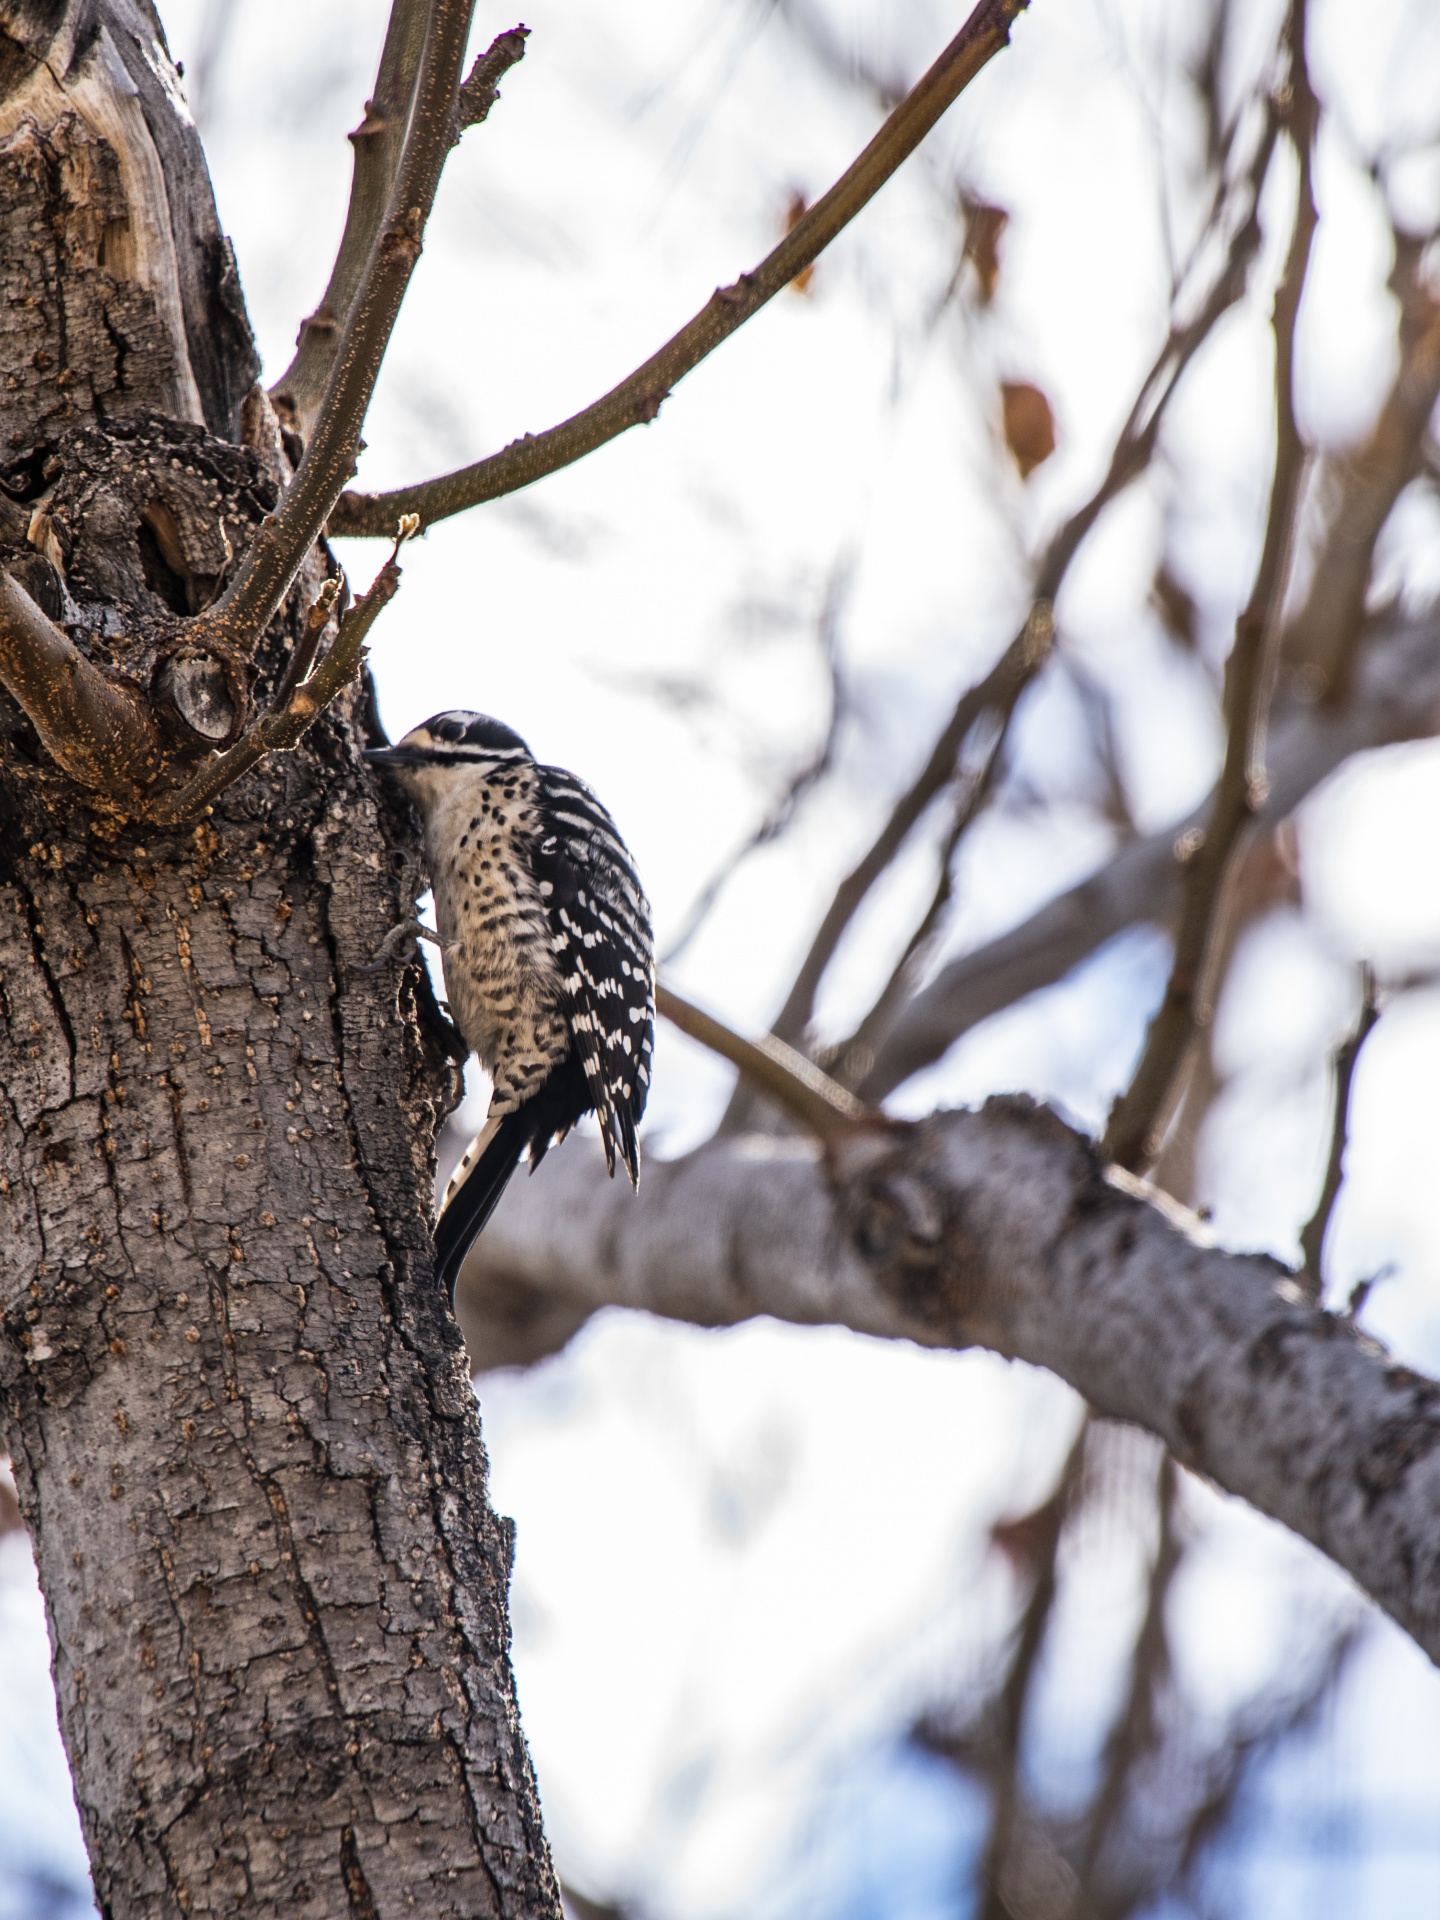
(984, 225)
(795, 212)
(1029, 425)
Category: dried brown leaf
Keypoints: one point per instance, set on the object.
(1029, 425)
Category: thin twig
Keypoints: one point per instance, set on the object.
(639, 398)
(999, 690)
(95, 725)
(1256, 1735)
(827, 1110)
(778, 819)
(243, 612)
(1265, 877)
(1137, 1119)
(1357, 490)
(853, 1058)
(287, 722)
(1312, 1238)
(297, 670)
(376, 144)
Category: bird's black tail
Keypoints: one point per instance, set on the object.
(475, 1200)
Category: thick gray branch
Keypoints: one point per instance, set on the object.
(999, 1229)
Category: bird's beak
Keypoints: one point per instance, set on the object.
(392, 758)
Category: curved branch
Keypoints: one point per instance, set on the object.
(96, 726)
(638, 399)
(1001, 1229)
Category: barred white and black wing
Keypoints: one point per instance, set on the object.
(602, 942)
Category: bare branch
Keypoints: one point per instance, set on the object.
(853, 1058)
(95, 725)
(1265, 877)
(638, 398)
(1027, 653)
(376, 144)
(814, 770)
(1137, 1119)
(297, 668)
(1391, 696)
(825, 1109)
(1312, 1237)
(1258, 1732)
(1002, 1229)
(242, 613)
(998, 691)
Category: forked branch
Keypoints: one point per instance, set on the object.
(638, 399)
(243, 612)
(300, 701)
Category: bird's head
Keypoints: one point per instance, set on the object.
(449, 744)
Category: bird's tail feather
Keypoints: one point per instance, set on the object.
(471, 1197)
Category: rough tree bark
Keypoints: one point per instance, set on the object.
(241, 1419)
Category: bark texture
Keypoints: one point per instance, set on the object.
(243, 1430)
(1001, 1229)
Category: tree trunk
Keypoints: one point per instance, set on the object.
(240, 1414)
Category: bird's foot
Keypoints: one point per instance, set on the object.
(401, 938)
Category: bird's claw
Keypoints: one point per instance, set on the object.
(403, 934)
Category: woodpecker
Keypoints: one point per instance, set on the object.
(549, 963)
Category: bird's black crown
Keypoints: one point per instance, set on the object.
(461, 729)
(450, 738)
